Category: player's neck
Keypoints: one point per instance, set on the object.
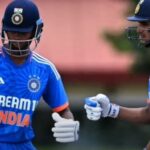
(18, 60)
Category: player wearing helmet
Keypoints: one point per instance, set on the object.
(25, 77)
(140, 33)
(20, 21)
(100, 106)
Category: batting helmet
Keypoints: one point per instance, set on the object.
(22, 16)
(142, 12)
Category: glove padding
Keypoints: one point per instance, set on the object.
(65, 130)
(93, 109)
(101, 108)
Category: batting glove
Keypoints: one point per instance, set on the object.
(65, 130)
(100, 106)
(93, 109)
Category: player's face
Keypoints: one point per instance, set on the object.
(19, 40)
(143, 29)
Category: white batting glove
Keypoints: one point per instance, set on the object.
(65, 130)
(106, 109)
(93, 109)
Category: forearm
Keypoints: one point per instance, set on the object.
(100, 106)
(66, 114)
(136, 115)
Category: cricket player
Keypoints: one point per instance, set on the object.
(100, 106)
(25, 77)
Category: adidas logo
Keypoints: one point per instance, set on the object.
(1, 81)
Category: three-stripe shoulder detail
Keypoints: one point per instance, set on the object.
(38, 58)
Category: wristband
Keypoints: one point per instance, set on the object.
(114, 110)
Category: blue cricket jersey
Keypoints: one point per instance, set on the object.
(21, 88)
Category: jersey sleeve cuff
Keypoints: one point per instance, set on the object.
(61, 108)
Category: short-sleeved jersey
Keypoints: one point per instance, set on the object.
(21, 88)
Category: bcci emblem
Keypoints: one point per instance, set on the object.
(34, 84)
(17, 17)
(137, 9)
